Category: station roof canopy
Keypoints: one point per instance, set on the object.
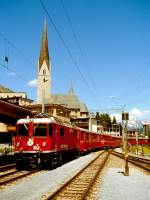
(10, 113)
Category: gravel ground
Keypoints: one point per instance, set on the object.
(36, 186)
(115, 186)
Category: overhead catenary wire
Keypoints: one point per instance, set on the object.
(12, 71)
(139, 89)
(6, 55)
(139, 101)
(77, 41)
(16, 49)
(67, 48)
(134, 98)
(6, 58)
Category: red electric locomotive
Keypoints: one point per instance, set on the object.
(44, 141)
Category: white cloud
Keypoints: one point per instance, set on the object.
(147, 112)
(112, 97)
(139, 114)
(12, 74)
(32, 83)
(134, 114)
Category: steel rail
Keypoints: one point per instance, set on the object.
(24, 173)
(146, 161)
(87, 186)
(138, 162)
(9, 173)
(5, 167)
(96, 176)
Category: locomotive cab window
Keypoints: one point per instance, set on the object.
(23, 129)
(50, 128)
(40, 129)
(62, 131)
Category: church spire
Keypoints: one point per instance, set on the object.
(44, 71)
(44, 54)
(71, 90)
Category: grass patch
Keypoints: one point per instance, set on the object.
(6, 149)
(143, 150)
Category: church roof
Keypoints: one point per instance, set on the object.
(70, 101)
(44, 53)
(83, 107)
(67, 100)
(5, 90)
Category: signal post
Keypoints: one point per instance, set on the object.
(125, 118)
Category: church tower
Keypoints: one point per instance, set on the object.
(44, 71)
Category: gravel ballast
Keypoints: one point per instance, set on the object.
(116, 186)
(38, 185)
(113, 185)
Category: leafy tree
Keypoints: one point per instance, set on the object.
(104, 120)
(97, 116)
(114, 121)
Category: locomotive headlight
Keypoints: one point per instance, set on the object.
(18, 144)
(44, 144)
(36, 147)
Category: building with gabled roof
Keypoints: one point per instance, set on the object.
(18, 98)
(5, 90)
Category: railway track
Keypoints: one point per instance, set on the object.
(79, 185)
(7, 167)
(14, 175)
(140, 162)
(7, 172)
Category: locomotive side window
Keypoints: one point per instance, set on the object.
(40, 129)
(86, 137)
(50, 127)
(74, 133)
(62, 132)
(82, 136)
(23, 129)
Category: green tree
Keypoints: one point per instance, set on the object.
(114, 121)
(105, 120)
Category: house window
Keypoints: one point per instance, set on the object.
(44, 72)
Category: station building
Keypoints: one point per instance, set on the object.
(18, 98)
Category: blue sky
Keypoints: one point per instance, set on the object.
(114, 36)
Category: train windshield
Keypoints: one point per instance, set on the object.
(23, 129)
(40, 130)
